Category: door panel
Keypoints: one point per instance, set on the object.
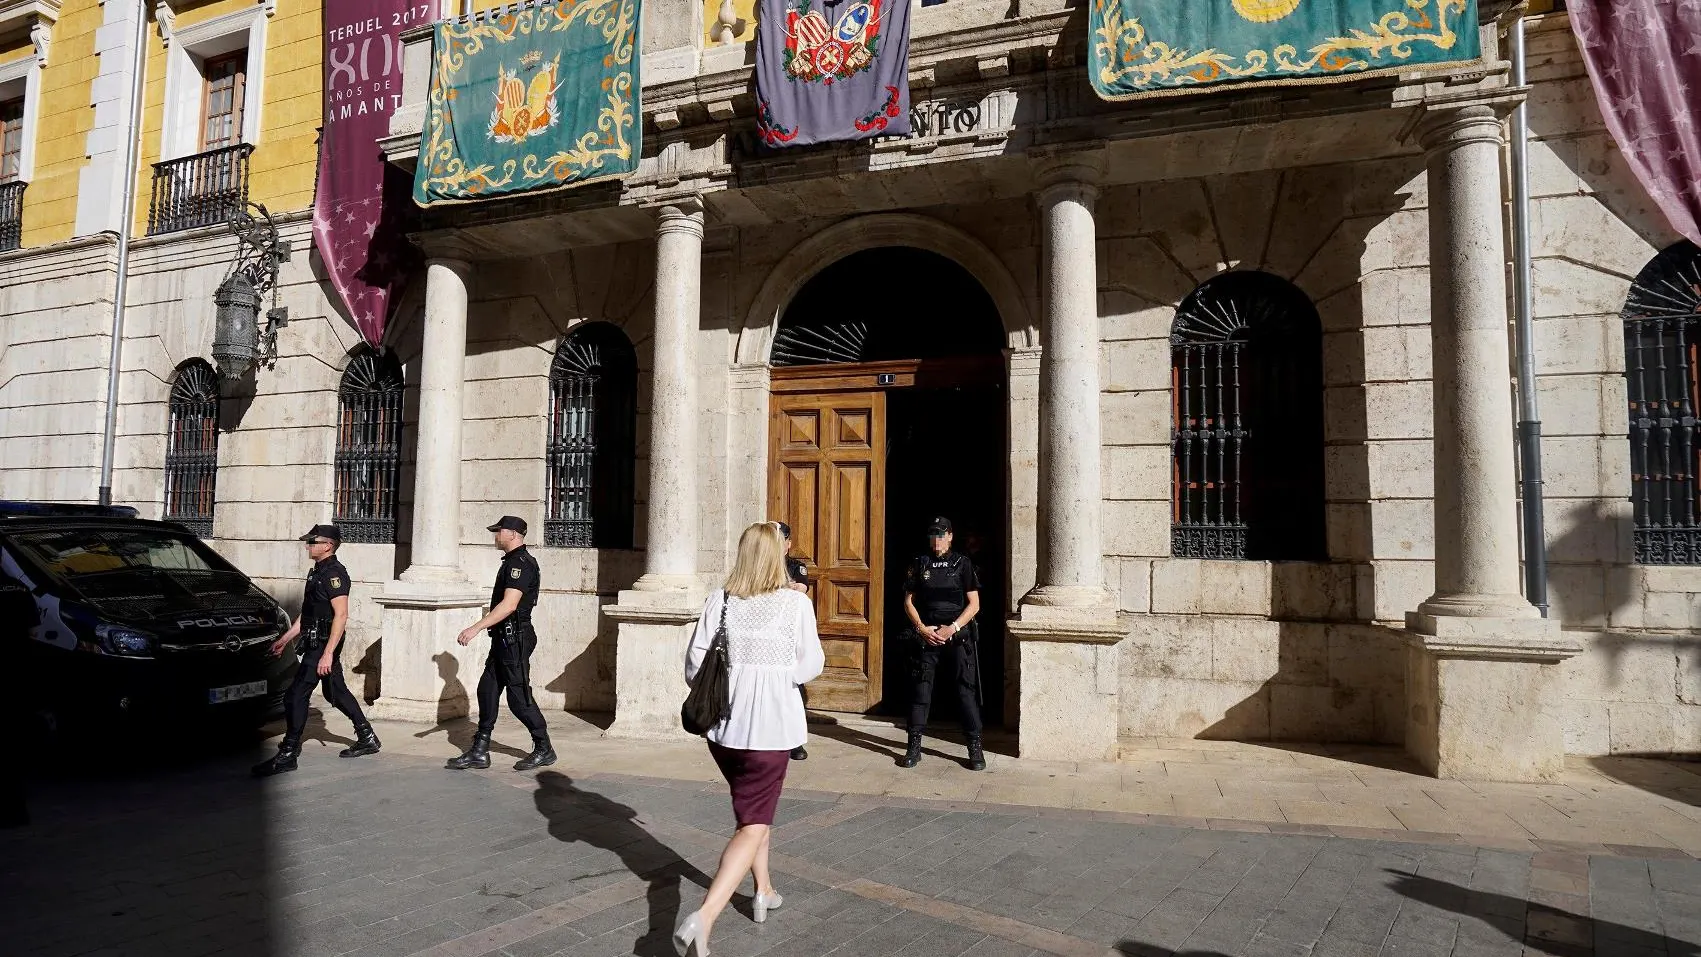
(828, 479)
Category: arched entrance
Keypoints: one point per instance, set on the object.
(889, 406)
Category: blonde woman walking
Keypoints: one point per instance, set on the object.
(772, 650)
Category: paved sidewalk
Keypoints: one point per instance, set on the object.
(392, 855)
(1323, 789)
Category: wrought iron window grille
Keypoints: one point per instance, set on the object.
(192, 448)
(1247, 403)
(205, 189)
(369, 455)
(11, 215)
(1662, 332)
(592, 448)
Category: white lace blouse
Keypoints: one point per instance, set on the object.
(772, 649)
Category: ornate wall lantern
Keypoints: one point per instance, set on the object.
(240, 344)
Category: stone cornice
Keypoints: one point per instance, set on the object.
(37, 17)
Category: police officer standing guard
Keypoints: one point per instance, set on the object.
(941, 599)
(321, 625)
(511, 643)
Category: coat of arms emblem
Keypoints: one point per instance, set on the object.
(525, 108)
(816, 52)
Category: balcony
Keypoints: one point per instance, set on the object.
(11, 215)
(199, 190)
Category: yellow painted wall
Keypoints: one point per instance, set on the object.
(281, 171)
(64, 118)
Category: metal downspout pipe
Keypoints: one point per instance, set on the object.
(1529, 418)
(127, 218)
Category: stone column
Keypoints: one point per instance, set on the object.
(1066, 627)
(425, 674)
(1482, 680)
(656, 616)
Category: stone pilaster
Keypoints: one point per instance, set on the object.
(1066, 628)
(656, 616)
(1482, 666)
(426, 674)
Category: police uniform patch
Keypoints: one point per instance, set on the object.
(336, 582)
(514, 572)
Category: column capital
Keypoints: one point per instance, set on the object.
(449, 249)
(1068, 173)
(682, 215)
(1443, 122)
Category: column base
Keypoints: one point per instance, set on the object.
(1478, 606)
(1481, 695)
(653, 629)
(427, 677)
(1070, 703)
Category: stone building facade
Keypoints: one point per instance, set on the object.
(1077, 240)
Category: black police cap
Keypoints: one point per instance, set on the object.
(331, 532)
(939, 524)
(511, 522)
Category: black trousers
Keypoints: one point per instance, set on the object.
(301, 691)
(956, 662)
(509, 668)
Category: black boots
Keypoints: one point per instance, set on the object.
(477, 756)
(283, 761)
(912, 756)
(542, 756)
(365, 742)
(977, 757)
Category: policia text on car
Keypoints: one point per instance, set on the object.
(323, 622)
(511, 643)
(941, 599)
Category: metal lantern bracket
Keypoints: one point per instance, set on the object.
(239, 344)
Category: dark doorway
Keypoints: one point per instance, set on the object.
(946, 456)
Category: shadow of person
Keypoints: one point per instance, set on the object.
(452, 720)
(317, 730)
(831, 729)
(1134, 948)
(576, 815)
(370, 667)
(1559, 932)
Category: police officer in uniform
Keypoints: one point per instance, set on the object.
(511, 643)
(322, 624)
(800, 581)
(941, 599)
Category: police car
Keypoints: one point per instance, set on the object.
(115, 617)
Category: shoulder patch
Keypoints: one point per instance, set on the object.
(336, 582)
(514, 572)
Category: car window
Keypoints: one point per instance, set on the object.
(74, 554)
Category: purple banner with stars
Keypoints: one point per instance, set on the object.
(359, 199)
(830, 71)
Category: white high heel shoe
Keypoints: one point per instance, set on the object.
(763, 903)
(688, 936)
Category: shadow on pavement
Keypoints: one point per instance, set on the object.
(578, 815)
(154, 845)
(1674, 777)
(1133, 948)
(1541, 928)
(845, 734)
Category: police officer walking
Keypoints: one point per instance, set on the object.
(941, 599)
(508, 667)
(321, 625)
(799, 576)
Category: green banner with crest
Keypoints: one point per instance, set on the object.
(1147, 47)
(539, 99)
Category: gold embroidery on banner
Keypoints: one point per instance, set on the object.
(1265, 11)
(1129, 56)
(448, 172)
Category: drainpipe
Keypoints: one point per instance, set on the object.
(132, 157)
(1529, 418)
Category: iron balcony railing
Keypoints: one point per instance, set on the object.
(200, 190)
(11, 215)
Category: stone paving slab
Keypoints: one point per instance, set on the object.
(392, 855)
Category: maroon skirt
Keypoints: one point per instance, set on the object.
(756, 778)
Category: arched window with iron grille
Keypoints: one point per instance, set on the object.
(1246, 357)
(192, 447)
(369, 448)
(593, 403)
(1662, 327)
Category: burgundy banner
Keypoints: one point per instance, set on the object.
(1645, 61)
(360, 201)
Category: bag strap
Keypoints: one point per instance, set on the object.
(720, 630)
